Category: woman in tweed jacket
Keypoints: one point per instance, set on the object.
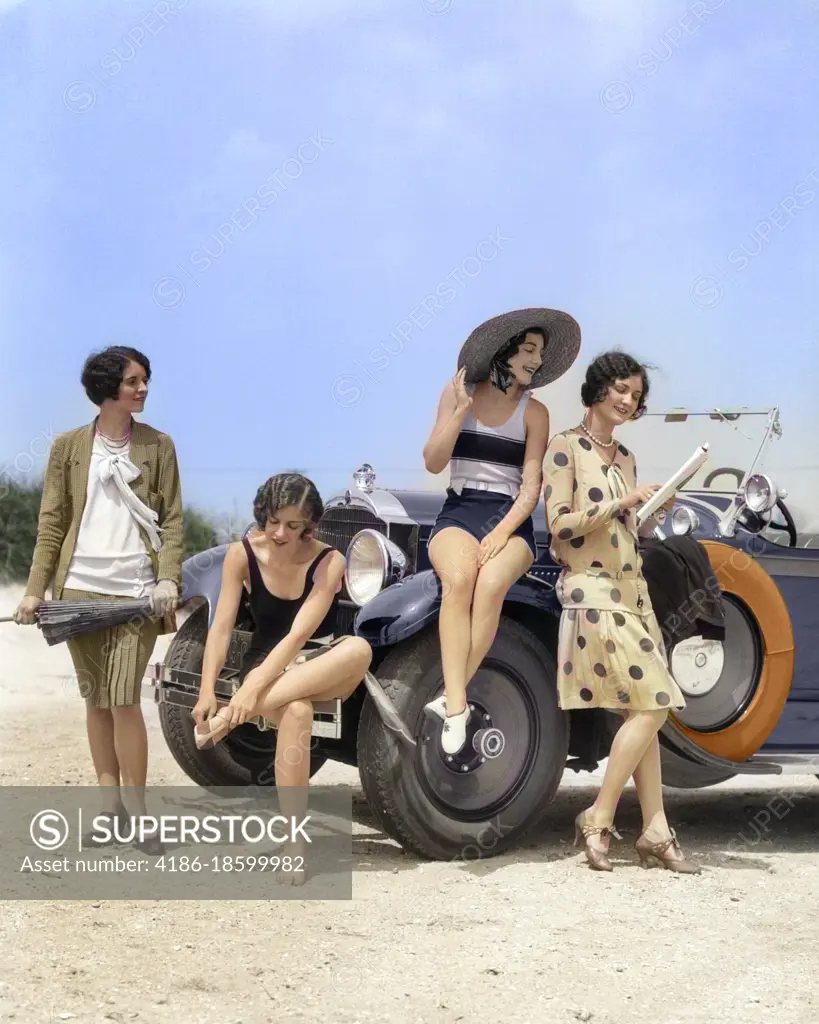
(110, 489)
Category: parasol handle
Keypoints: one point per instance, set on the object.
(8, 618)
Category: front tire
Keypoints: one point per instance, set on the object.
(466, 807)
(245, 757)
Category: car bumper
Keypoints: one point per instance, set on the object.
(180, 688)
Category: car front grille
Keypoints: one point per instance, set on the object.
(338, 526)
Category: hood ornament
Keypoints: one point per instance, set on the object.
(364, 478)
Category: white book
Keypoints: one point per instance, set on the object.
(674, 483)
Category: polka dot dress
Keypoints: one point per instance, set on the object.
(610, 648)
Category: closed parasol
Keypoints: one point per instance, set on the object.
(63, 620)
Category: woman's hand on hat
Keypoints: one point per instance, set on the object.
(462, 397)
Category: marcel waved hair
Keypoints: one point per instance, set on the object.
(284, 490)
(608, 368)
(103, 371)
(500, 376)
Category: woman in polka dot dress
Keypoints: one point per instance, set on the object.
(610, 648)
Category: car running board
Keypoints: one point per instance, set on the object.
(679, 742)
(181, 688)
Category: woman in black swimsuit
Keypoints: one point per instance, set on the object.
(293, 582)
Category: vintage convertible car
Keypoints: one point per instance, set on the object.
(752, 699)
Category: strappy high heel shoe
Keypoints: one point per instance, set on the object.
(597, 859)
(210, 732)
(647, 851)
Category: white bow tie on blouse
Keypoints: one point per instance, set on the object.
(122, 471)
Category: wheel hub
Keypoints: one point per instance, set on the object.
(718, 678)
(697, 665)
(483, 742)
(494, 762)
(489, 743)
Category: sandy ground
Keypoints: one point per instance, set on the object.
(532, 936)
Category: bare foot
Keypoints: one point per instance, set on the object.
(292, 869)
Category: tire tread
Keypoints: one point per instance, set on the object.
(379, 752)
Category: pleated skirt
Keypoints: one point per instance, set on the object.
(111, 664)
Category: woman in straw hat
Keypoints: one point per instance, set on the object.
(493, 436)
(110, 489)
(610, 648)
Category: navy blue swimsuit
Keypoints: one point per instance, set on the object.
(273, 615)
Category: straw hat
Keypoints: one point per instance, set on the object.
(562, 343)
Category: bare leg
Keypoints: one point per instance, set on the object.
(131, 743)
(99, 724)
(493, 583)
(627, 750)
(293, 755)
(334, 674)
(454, 556)
(649, 786)
(648, 783)
(294, 734)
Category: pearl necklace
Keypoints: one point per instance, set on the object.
(590, 435)
(114, 445)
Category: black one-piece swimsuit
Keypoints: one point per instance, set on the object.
(274, 616)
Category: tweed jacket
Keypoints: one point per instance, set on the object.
(63, 503)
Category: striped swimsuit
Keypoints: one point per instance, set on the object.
(486, 473)
(490, 458)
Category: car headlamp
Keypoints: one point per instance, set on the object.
(684, 520)
(760, 493)
(373, 563)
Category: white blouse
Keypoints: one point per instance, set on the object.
(110, 556)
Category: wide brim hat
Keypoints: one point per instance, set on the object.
(483, 344)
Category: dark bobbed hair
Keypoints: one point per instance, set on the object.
(103, 371)
(283, 490)
(500, 376)
(608, 368)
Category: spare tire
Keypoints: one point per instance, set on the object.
(741, 711)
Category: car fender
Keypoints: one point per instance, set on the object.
(407, 607)
(202, 580)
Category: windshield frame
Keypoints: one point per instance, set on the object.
(727, 519)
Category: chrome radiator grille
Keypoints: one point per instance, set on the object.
(338, 526)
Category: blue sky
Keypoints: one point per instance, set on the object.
(262, 195)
